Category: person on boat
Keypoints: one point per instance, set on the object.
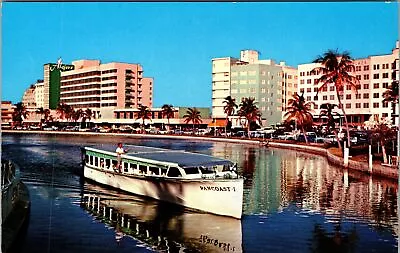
(120, 150)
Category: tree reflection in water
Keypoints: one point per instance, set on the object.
(338, 241)
(384, 211)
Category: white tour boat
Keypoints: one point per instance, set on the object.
(196, 181)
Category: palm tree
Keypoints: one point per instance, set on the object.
(63, 109)
(327, 110)
(76, 115)
(382, 133)
(144, 113)
(392, 95)
(86, 115)
(192, 115)
(249, 110)
(40, 111)
(20, 113)
(299, 110)
(335, 69)
(167, 111)
(229, 108)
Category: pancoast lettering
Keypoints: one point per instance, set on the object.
(217, 188)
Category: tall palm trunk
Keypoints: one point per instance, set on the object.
(393, 113)
(345, 119)
(226, 123)
(304, 133)
(337, 139)
(385, 160)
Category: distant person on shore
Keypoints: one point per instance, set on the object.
(120, 150)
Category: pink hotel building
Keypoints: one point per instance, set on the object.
(105, 87)
(375, 74)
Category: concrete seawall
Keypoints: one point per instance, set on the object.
(377, 169)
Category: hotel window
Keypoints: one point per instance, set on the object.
(376, 105)
(376, 85)
(252, 90)
(325, 98)
(376, 76)
(308, 81)
(302, 90)
(385, 114)
(332, 88)
(315, 89)
(262, 90)
(358, 105)
(348, 96)
(366, 95)
(263, 81)
(366, 105)
(358, 77)
(325, 88)
(358, 86)
(308, 98)
(316, 81)
(385, 66)
(376, 95)
(348, 106)
(315, 106)
(385, 85)
(263, 99)
(332, 97)
(308, 89)
(366, 77)
(376, 66)
(366, 86)
(315, 98)
(358, 96)
(394, 65)
(348, 87)
(385, 104)
(302, 81)
(385, 75)
(366, 67)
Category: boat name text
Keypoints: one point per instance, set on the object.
(217, 188)
(225, 246)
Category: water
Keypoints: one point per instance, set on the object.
(293, 202)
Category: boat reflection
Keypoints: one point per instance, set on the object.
(161, 226)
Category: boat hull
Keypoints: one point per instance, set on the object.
(221, 197)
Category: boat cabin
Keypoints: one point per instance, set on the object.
(161, 163)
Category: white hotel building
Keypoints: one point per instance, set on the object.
(374, 73)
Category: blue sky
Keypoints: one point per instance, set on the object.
(175, 42)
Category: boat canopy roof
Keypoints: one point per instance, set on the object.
(182, 158)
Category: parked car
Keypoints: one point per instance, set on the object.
(34, 127)
(330, 139)
(287, 136)
(310, 137)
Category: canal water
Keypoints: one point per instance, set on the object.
(293, 202)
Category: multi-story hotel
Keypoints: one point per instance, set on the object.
(103, 87)
(374, 73)
(33, 96)
(269, 83)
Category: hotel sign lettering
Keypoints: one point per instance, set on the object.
(61, 67)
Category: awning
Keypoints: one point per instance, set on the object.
(218, 123)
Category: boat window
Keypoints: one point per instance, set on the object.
(86, 158)
(96, 161)
(154, 171)
(174, 172)
(143, 169)
(125, 167)
(102, 163)
(133, 166)
(206, 170)
(90, 159)
(108, 163)
(163, 171)
(191, 170)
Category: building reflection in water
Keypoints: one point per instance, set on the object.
(276, 179)
(159, 226)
